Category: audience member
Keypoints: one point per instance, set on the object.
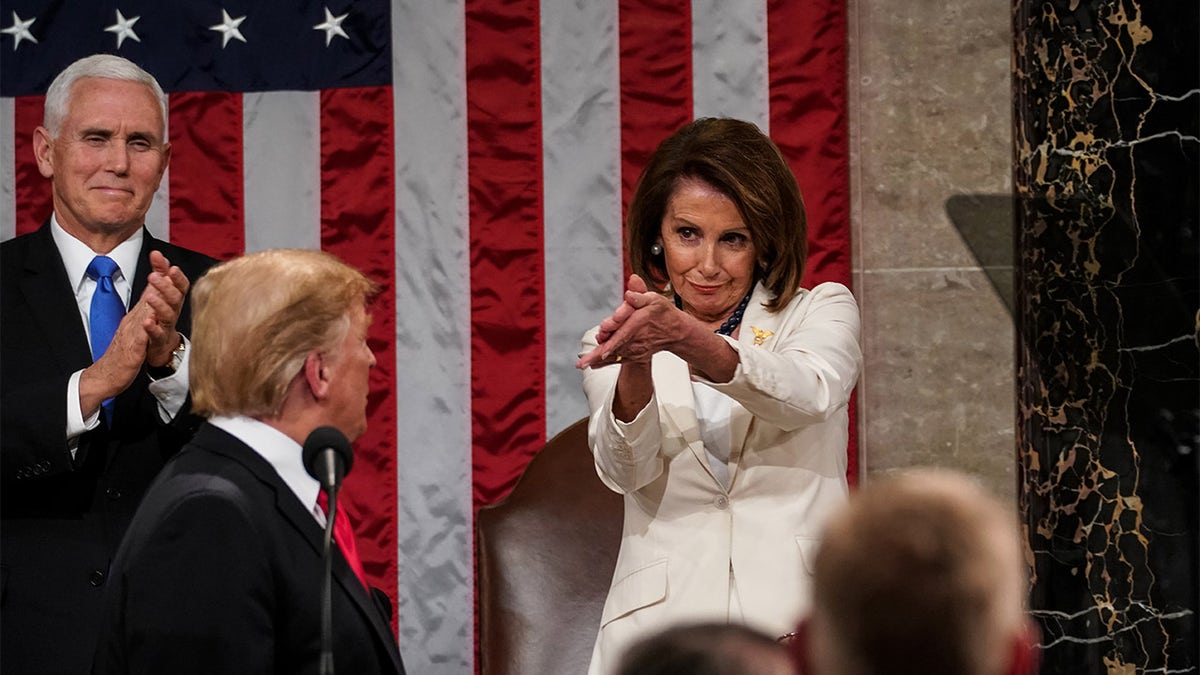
(920, 573)
(706, 649)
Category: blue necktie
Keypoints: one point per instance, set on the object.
(107, 311)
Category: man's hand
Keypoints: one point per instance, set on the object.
(113, 372)
(166, 289)
(146, 335)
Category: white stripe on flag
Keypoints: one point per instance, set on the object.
(436, 598)
(8, 170)
(281, 174)
(729, 61)
(158, 216)
(581, 190)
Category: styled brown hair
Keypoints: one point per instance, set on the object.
(255, 320)
(742, 163)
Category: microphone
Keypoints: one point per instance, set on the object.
(328, 458)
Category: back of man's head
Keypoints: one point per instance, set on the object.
(919, 573)
(706, 649)
(255, 320)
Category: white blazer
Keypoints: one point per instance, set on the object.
(689, 544)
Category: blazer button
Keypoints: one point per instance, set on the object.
(96, 578)
(721, 502)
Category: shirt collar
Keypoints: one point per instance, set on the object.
(76, 255)
(282, 453)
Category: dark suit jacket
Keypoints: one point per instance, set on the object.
(62, 519)
(221, 572)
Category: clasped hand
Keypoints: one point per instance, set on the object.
(145, 335)
(635, 331)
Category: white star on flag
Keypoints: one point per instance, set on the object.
(124, 28)
(20, 31)
(332, 26)
(228, 28)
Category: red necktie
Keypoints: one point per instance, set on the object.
(343, 534)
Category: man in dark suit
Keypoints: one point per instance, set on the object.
(221, 570)
(85, 427)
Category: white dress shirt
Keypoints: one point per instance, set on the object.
(282, 453)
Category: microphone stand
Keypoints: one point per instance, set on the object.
(327, 457)
(326, 662)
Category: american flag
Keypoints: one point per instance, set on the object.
(474, 157)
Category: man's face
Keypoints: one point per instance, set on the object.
(108, 157)
(350, 376)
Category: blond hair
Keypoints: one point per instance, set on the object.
(256, 319)
(921, 572)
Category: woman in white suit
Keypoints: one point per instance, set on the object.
(718, 392)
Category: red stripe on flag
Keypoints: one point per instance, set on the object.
(357, 226)
(809, 124)
(206, 185)
(504, 154)
(656, 82)
(34, 199)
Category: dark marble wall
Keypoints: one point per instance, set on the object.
(1106, 116)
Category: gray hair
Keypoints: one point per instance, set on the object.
(108, 66)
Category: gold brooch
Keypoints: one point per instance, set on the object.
(760, 335)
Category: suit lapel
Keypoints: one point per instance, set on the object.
(756, 321)
(142, 272)
(141, 275)
(673, 387)
(51, 299)
(345, 577)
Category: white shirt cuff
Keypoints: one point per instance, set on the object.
(76, 425)
(172, 391)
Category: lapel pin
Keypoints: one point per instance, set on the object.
(760, 335)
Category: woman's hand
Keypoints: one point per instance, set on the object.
(637, 329)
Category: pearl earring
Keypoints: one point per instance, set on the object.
(656, 248)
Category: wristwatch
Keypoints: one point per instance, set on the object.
(168, 369)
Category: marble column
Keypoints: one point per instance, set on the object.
(1107, 173)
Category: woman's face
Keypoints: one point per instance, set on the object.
(708, 251)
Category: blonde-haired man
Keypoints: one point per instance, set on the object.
(221, 569)
(919, 573)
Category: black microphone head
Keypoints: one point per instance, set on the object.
(326, 438)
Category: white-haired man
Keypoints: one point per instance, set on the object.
(92, 362)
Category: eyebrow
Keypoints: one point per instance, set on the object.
(96, 131)
(744, 229)
(109, 133)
